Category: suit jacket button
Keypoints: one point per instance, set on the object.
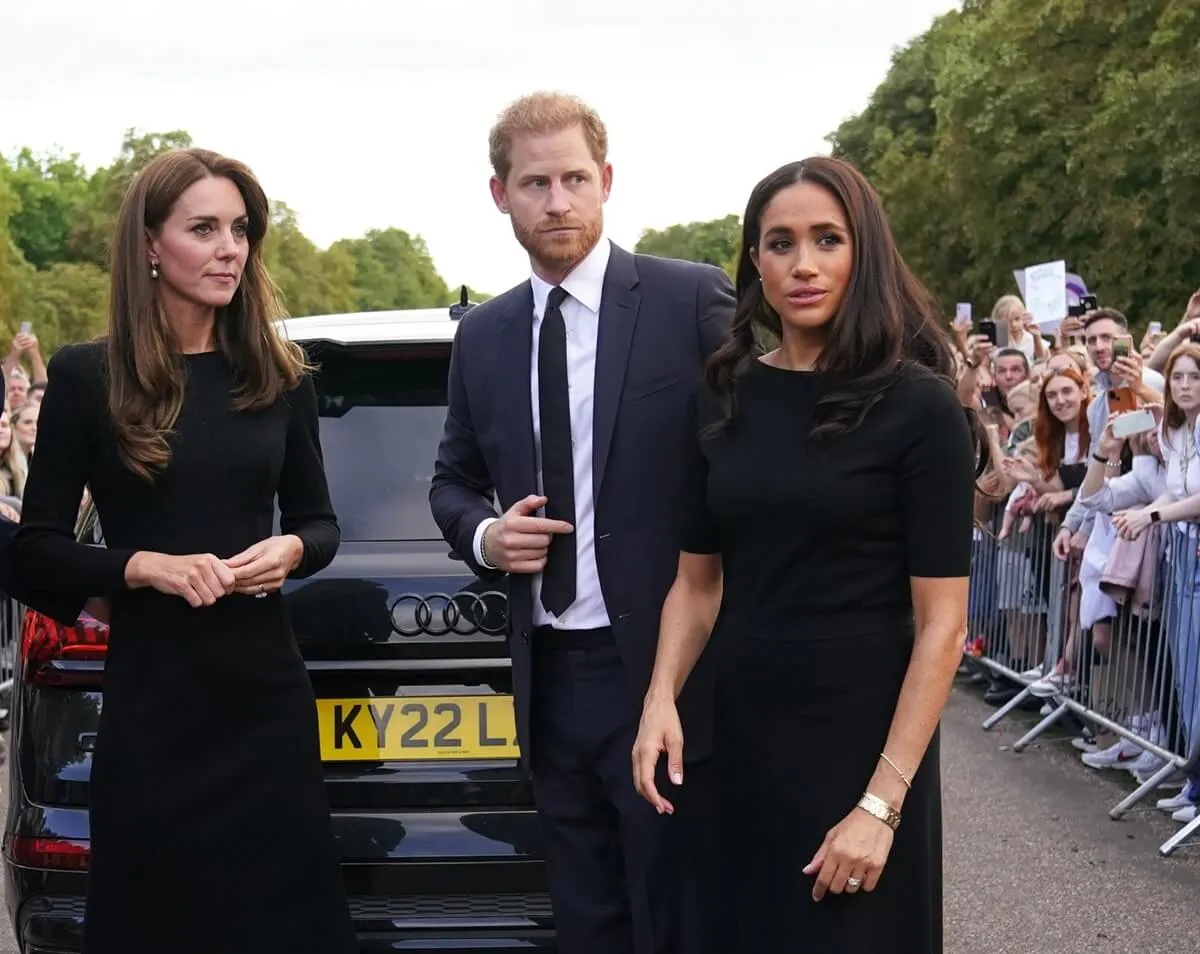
(524, 635)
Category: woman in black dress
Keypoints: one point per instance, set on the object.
(209, 820)
(827, 554)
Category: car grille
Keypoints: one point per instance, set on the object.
(437, 907)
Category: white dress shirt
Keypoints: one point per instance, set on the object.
(581, 315)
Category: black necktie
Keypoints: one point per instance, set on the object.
(558, 469)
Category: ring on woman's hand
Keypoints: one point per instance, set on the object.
(261, 592)
(853, 883)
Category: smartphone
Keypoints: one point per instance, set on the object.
(1121, 401)
(1122, 346)
(1155, 328)
(1088, 303)
(962, 314)
(26, 327)
(1135, 422)
(987, 328)
(991, 399)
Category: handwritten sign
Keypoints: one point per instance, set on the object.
(1046, 294)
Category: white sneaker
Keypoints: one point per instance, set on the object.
(1185, 815)
(1184, 799)
(1055, 684)
(1144, 766)
(1083, 745)
(1117, 756)
(1029, 675)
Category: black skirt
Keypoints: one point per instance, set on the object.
(800, 723)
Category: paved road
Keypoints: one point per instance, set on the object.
(1033, 864)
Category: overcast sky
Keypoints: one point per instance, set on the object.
(366, 114)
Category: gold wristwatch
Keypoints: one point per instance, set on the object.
(880, 809)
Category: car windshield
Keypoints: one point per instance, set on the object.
(382, 411)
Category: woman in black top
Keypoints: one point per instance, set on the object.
(827, 553)
(210, 826)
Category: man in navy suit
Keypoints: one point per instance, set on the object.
(568, 401)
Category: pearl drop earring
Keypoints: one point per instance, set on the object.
(154, 269)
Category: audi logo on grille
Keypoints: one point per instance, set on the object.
(440, 614)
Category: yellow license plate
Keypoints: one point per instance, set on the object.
(410, 728)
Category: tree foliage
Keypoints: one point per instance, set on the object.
(715, 242)
(1013, 132)
(56, 225)
(1019, 131)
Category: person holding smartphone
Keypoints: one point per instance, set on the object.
(24, 347)
(1187, 330)
(1118, 366)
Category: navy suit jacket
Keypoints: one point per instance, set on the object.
(660, 319)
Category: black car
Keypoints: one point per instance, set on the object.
(405, 646)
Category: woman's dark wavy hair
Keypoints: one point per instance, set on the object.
(887, 319)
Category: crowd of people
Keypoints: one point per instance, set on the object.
(1086, 539)
(813, 520)
(19, 417)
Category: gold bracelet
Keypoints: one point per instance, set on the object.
(880, 809)
(904, 778)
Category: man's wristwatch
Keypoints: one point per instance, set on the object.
(1155, 516)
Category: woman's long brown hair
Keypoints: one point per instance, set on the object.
(146, 369)
(1173, 416)
(1050, 433)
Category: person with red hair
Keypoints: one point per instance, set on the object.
(1061, 437)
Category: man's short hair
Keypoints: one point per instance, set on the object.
(1013, 353)
(542, 113)
(1100, 314)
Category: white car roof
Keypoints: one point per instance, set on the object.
(413, 325)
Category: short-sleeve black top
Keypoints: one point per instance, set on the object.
(816, 531)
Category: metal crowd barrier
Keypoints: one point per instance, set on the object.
(1112, 637)
(11, 615)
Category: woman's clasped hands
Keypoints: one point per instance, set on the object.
(203, 578)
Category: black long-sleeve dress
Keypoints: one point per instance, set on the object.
(812, 643)
(209, 818)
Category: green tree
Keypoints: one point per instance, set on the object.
(1018, 131)
(67, 302)
(715, 242)
(51, 190)
(393, 270)
(294, 263)
(13, 267)
(92, 228)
